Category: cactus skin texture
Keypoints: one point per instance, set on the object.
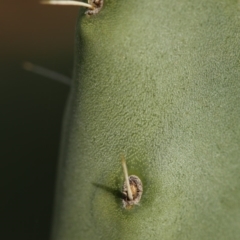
(159, 82)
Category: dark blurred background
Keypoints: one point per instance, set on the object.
(32, 107)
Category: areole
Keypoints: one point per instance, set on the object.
(94, 6)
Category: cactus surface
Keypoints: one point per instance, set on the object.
(159, 82)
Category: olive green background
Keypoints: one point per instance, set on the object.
(157, 81)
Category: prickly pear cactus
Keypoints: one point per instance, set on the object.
(159, 82)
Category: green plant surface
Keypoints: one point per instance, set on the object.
(157, 81)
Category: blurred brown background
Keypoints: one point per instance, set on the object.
(31, 112)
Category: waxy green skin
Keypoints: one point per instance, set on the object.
(157, 81)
